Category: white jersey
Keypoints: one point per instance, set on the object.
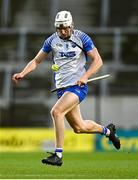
(68, 56)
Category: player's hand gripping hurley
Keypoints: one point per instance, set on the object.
(89, 80)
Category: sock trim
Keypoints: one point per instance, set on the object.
(104, 131)
(59, 150)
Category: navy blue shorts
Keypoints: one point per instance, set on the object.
(80, 91)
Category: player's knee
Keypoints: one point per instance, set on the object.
(80, 129)
(77, 129)
(55, 112)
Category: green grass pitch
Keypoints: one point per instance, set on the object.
(105, 165)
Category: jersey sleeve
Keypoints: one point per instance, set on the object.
(47, 44)
(87, 42)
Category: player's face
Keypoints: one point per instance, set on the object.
(64, 32)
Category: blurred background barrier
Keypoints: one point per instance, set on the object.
(38, 139)
(24, 25)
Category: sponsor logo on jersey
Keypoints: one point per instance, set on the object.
(67, 54)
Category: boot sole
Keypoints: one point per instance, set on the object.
(49, 163)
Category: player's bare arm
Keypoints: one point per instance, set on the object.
(31, 66)
(96, 63)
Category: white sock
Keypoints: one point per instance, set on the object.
(108, 132)
(58, 152)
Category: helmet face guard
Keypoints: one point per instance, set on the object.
(64, 19)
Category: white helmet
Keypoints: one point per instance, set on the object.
(63, 18)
